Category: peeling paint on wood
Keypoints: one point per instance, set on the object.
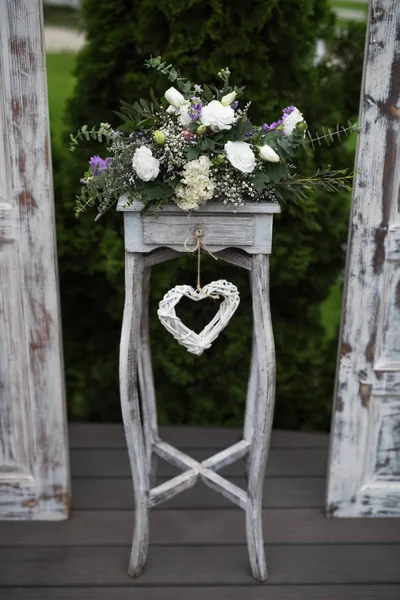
(135, 370)
(364, 477)
(252, 224)
(365, 391)
(34, 474)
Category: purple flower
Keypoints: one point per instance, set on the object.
(286, 111)
(249, 134)
(273, 125)
(235, 104)
(195, 108)
(99, 165)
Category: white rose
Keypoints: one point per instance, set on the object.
(184, 117)
(241, 156)
(228, 99)
(290, 122)
(266, 153)
(182, 112)
(145, 165)
(217, 116)
(174, 97)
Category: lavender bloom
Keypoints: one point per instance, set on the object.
(249, 134)
(195, 108)
(273, 125)
(287, 111)
(235, 104)
(99, 165)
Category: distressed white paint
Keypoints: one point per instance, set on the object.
(249, 227)
(146, 381)
(34, 476)
(168, 229)
(261, 412)
(364, 475)
(135, 363)
(227, 456)
(172, 487)
(128, 373)
(205, 470)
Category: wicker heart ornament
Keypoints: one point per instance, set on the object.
(196, 343)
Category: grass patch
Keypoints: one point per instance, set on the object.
(59, 16)
(347, 4)
(60, 82)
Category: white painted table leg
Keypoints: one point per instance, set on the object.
(251, 398)
(146, 383)
(128, 372)
(262, 413)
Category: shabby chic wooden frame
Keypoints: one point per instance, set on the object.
(34, 458)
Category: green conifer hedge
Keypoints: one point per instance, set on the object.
(269, 46)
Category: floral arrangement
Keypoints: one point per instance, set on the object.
(196, 144)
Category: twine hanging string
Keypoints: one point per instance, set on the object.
(198, 234)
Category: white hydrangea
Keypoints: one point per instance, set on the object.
(196, 187)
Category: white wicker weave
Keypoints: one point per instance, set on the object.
(196, 343)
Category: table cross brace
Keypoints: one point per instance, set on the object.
(196, 470)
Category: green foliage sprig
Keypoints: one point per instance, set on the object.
(298, 187)
(174, 76)
(330, 136)
(100, 134)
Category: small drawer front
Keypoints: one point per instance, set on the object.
(218, 231)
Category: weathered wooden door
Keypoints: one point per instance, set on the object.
(34, 480)
(364, 470)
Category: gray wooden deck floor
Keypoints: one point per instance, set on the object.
(198, 546)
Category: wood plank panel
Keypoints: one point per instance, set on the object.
(251, 592)
(34, 470)
(199, 565)
(111, 435)
(294, 526)
(170, 230)
(281, 462)
(364, 473)
(102, 493)
(143, 239)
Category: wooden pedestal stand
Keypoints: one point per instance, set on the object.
(244, 239)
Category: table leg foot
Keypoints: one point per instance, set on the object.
(255, 541)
